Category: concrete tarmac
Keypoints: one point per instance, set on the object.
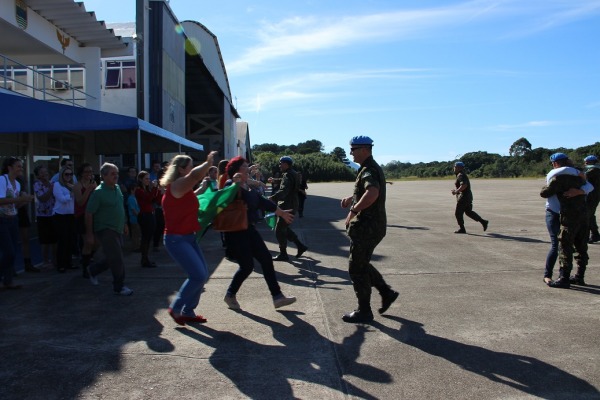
(474, 319)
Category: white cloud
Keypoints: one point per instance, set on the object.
(300, 35)
(525, 125)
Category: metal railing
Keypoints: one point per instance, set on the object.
(7, 82)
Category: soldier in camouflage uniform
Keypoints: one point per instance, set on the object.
(573, 229)
(464, 199)
(287, 199)
(366, 226)
(592, 174)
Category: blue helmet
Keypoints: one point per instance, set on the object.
(558, 156)
(361, 141)
(459, 164)
(286, 159)
(591, 159)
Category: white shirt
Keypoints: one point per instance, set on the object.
(65, 202)
(7, 190)
(552, 202)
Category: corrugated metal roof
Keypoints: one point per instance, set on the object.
(73, 19)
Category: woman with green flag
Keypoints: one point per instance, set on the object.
(248, 245)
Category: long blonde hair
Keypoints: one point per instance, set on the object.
(61, 179)
(172, 172)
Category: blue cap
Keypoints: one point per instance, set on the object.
(591, 159)
(286, 159)
(558, 156)
(459, 164)
(361, 140)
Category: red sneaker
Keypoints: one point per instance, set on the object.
(178, 318)
(196, 318)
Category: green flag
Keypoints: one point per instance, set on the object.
(211, 203)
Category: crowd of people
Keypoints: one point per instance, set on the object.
(78, 211)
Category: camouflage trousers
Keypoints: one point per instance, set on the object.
(284, 233)
(362, 273)
(573, 236)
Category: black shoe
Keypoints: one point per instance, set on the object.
(594, 239)
(281, 257)
(576, 280)
(84, 273)
(301, 249)
(485, 223)
(148, 264)
(31, 268)
(358, 317)
(461, 230)
(387, 300)
(560, 283)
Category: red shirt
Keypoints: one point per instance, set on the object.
(146, 199)
(181, 215)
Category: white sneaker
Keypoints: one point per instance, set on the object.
(232, 302)
(125, 291)
(93, 279)
(283, 300)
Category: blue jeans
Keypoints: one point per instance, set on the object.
(553, 225)
(9, 238)
(185, 251)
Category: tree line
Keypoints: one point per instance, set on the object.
(522, 161)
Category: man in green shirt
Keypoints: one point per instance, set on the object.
(105, 221)
(366, 225)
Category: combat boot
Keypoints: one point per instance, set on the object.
(461, 230)
(577, 279)
(563, 279)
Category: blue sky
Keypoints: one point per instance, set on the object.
(427, 80)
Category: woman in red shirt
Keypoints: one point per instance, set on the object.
(180, 208)
(146, 194)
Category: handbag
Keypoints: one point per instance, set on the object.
(233, 218)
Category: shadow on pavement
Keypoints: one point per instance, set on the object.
(526, 374)
(237, 358)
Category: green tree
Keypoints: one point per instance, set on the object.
(339, 153)
(520, 148)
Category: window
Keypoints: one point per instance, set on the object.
(120, 75)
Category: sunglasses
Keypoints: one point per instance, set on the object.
(352, 149)
(68, 174)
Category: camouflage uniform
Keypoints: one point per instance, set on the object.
(592, 173)
(464, 201)
(573, 226)
(287, 199)
(365, 233)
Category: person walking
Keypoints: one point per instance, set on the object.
(302, 193)
(287, 199)
(11, 198)
(248, 245)
(180, 207)
(592, 174)
(366, 225)
(105, 221)
(464, 199)
(561, 165)
(573, 229)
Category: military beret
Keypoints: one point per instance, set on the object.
(591, 159)
(361, 140)
(286, 159)
(558, 156)
(459, 164)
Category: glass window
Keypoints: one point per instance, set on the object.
(113, 78)
(128, 78)
(76, 79)
(20, 80)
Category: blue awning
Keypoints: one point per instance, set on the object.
(19, 114)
